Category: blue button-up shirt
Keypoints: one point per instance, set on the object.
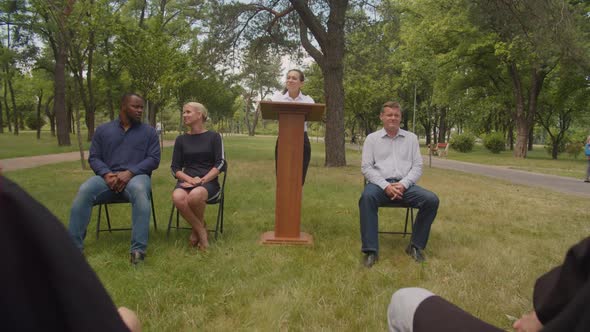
(115, 150)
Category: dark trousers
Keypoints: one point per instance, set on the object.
(306, 155)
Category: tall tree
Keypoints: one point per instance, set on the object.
(259, 77)
(53, 28)
(531, 36)
(566, 98)
(86, 21)
(16, 50)
(321, 31)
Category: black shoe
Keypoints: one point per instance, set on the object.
(415, 253)
(137, 257)
(370, 259)
(587, 180)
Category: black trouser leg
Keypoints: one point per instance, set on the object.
(306, 155)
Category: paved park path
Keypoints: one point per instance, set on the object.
(551, 182)
(13, 164)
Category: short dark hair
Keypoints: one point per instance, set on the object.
(127, 96)
(392, 104)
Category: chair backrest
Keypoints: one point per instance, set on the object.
(223, 174)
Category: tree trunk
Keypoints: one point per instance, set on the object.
(334, 92)
(59, 102)
(153, 111)
(524, 117)
(90, 111)
(8, 120)
(109, 81)
(442, 125)
(111, 104)
(331, 62)
(554, 150)
(50, 115)
(79, 138)
(38, 117)
(520, 120)
(15, 112)
(511, 136)
(531, 137)
(70, 111)
(1, 120)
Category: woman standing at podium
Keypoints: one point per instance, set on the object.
(292, 93)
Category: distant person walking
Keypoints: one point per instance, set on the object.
(587, 152)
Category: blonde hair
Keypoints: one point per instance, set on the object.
(199, 108)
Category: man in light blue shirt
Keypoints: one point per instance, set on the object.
(392, 164)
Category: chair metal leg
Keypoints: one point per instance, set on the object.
(406, 224)
(219, 212)
(218, 224)
(98, 221)
(153, 211)
(170, 220)
(222, 206)
(106, 210)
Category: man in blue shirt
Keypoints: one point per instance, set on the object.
(123, 154)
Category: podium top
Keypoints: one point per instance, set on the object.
(271, 109)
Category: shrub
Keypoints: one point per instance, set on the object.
(494, 142)
(32, 123)
(574, 149)
(462, 142)
(560, 146)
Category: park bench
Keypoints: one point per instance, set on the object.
(440, 149)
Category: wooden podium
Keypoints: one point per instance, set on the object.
(291, 117)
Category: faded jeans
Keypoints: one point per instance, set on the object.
(95, 191)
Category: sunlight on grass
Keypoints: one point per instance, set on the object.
(490, 241)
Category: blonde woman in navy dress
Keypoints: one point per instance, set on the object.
(292, 93)
(197, 160)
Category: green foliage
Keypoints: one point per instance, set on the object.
(574, 149)
(462, 142)
(494, 142)
(33, 123)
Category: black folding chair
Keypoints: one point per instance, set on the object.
(119, 201)
(409, 216)
(219, 200)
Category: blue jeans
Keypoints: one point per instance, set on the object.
(95, 190)
(417, 197)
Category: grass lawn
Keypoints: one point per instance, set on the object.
(538, 161)
(26, 144)
(487, 246)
